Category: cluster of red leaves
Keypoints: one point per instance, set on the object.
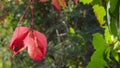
(59, 3)
(34, 41)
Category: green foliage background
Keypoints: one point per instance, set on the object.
(79, 37)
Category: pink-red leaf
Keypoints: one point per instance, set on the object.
(56, 4)
(37, 44)
(76, 1)
(16, 44)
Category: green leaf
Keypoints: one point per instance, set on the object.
(113, 4)
(107, 35)
(97, 59)
(100, 13)
(98, 38)
(97, 64)
(107, 52)
(115, 55)
(86, 1)
(71, 30)
(113, 16)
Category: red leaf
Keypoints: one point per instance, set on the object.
(76, 1)
(56, 4)
(37, 44)
(16, 44)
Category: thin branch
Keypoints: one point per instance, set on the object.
(25, 13)
(58, 36)
(32, 14)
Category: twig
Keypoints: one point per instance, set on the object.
(58, 36)
(32, 23)
(25, 13)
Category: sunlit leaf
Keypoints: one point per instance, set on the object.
(115, 55)
(99, 13)
(107, 35)
(71, 30)
(97, 59)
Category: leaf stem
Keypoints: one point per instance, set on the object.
(32, 24)
(25, 12)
